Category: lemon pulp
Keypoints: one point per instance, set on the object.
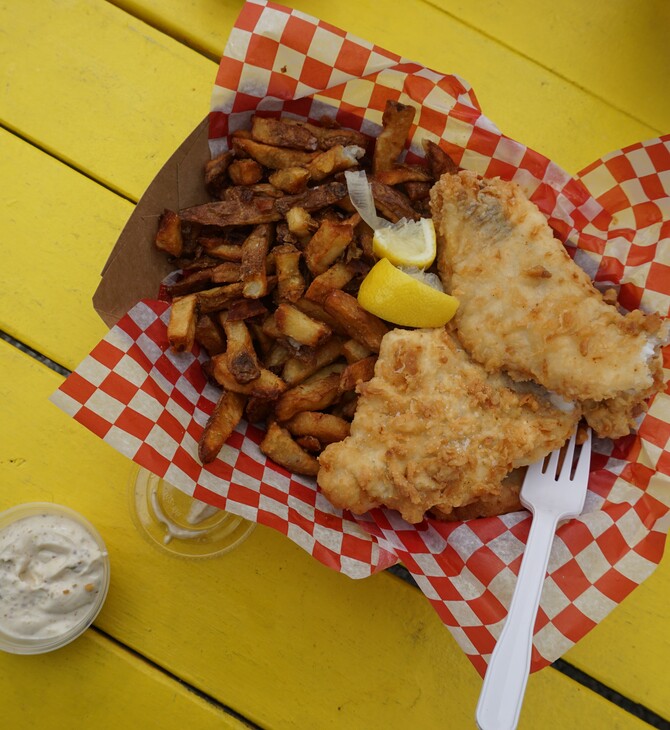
(411, 243)
(402, 299)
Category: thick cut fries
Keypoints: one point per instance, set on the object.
(396, 120)
(181, 328)
(240, 354)
(221, 424)
(280, 446)
(254, 251)
(271, 269)
(323, 426)
(168, 236)
(317, 392)
(293, 323)
(359, 324)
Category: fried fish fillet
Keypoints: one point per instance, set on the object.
(528, 309)
(434, 429)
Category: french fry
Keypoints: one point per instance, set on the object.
(391, 203)
(316, 311)
(281, 448)
(293, 323)
(279, 133)
(313, 199)
(181, 327)
(323, 426)
(317, 392)
(291, 180)
(336, 159)
(222, 250)
(226, 273)
(212, 300)
(263, 342)
(290, 281)
(327, 244)
(359, 324)
(417, 190)
(254, 251)
(399, 174)
(396, 122)
(220, 425)
(168, 236)
(245, 309)
(240, 354)
(267, 385)
(208, 334)
(357, 372)
(275, 158)
(353, 351)
(346, 406)
(336, 277)
(245, 193)
(257, 409)
(270, 328)
(245, 172)
(309, 443)
(259, 209)
(328, 137)
(215, 173)
(296, 370)
(438, 160)
(278, 356)
(300, 222)
(192, 282)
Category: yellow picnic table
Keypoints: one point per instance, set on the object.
(94, 97)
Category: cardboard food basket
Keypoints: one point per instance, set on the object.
(151, 404)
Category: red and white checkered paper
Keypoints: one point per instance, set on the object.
(614, 217)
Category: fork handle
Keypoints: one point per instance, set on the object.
(507, 674)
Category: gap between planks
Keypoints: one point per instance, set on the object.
(191, 688)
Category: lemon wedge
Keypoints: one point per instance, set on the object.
(402, 299)
(410, 243)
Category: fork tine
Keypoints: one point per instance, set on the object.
(566, 467)
(584, 461)
(552, 466)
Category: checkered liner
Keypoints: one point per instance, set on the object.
(151, 404)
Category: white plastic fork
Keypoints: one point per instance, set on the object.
(552, 494)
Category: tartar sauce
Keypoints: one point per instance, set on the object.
(51, 571)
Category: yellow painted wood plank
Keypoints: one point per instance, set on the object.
(94, 683)
(100, 89)
(266, 630)
(617, 50)
(526, 100)
(56, 232)
(81, 443)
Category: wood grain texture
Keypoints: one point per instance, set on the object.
(266, 630)
(98, 88)
(94, 683)
(57, 231)
(616, 51)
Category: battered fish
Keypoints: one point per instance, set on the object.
(434, 429)
(526, 308)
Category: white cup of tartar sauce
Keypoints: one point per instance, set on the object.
(54, 576)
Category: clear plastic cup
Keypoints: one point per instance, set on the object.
(180, 525)
(15, 644)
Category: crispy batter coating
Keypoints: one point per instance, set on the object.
(434, 429)
(528, 309)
